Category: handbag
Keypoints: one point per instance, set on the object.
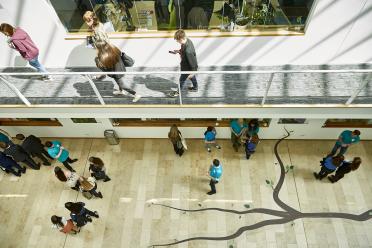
(68, 227)
(183, 142)
(128, 61)
(87, 195)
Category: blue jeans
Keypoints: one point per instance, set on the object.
(36, 64)
(183, 78)
(336, 147)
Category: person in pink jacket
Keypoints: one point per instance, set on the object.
(21, 41)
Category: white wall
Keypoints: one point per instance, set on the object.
(339, 32)
(312, 130)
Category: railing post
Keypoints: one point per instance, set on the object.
(361, 87)
(268, 88)
(95, 90)
(15, 90)
(180, 91)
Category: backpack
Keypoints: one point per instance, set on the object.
(128, 61)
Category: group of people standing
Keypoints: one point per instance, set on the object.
(109, 57)
(31, 147)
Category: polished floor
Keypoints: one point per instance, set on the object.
(146, 171)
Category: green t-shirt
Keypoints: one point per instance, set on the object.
(4, 138)
(348, 138)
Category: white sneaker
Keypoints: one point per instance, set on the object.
(136, 97)
(117, 92)
(124, 93)
(47, 78)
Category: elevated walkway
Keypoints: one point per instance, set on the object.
(282, 87)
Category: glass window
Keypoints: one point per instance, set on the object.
(83, 120)
(348, 123)
(29, 122)
(144, 15)
(292, 121)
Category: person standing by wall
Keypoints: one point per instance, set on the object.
(109, 59)
(237, 127)
(19, 155)
(253, 127)
(346, 139)
(250, 145)
(34, 147)
(215, 173)
(19, 40)
(9, 165)
(188, 61)
(329, 165)
(174, 136)
(57, 151)
(210, 138)
(344, 168)
(5, 137)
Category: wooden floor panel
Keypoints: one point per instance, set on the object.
(147, 170)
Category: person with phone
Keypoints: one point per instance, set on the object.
(188, 61)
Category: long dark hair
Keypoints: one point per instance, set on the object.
(253, 124)
(97, 162)
(56, 220)
(337, 160)
(59, 174)
(74, 207)
(355, 163)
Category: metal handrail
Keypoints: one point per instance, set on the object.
(185, 72)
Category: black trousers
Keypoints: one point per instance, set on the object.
(43, 155)
(94, 191)
(67, 165)
(213, 183)
(31, 163)
(324, 172)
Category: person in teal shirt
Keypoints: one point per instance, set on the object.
(346, 139)
(237, 127)
(56, 150)
(5, 137)
(215, 173)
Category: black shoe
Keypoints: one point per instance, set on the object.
(74, 160)
(96, 214)
(106, 179)
(316, 175)
(18, 174)
(100, 195)
(331, 179)
(47, 164)
(89, 219)
(211, 193)
(193, 89)
(24, 169)
(174, 94)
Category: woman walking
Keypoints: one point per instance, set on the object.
(109, 59)
(329, 165)
(19, 40)
(175, 137)
(64, 225)
(79, 214)
(97, 169)
(345, 167)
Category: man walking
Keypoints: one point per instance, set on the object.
(34, 147)
(215, 172)
(346, 139)
(188, 61)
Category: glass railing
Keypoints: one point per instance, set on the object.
(256, 87)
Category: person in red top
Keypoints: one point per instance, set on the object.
(19, 40)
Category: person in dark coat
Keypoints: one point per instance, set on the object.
(9, 165)
(345, 168)
(188, 61)
(34, 147)
(109, 59)
(19, 155)
(79, 214)
(97, 169)
(329, 165)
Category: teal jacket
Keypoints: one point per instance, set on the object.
(55, 149)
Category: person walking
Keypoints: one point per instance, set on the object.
(175, 137)
(57, 151)
(89, 185)
(188, 61)
(96, 27)
(19, 155)
(346, 139)
(344, 168)
(237, 127)
(215, 173)
(210, 138)
(34, 147)
(79, 214)
(19, 40)
(97, 169)
(329, 165)
(64, 225)
(109, 59)
(9, 165)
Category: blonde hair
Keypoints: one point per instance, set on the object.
(89, 15)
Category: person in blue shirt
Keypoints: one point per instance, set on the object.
(250, 145)
(210, 138)
(215, 173)
(329, 165)
(346, 139)
(56, 150)
(237, 127)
